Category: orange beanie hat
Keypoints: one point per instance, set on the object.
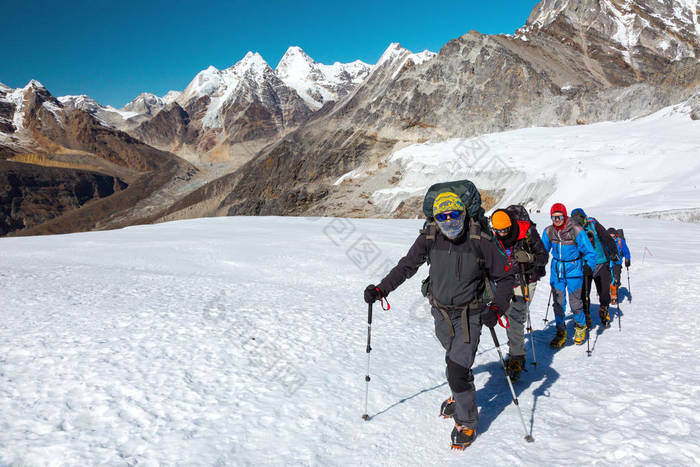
(500, 220)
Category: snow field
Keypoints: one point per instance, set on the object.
(241, 341)
(632, 167)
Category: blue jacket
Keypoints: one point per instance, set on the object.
(622, 251)
(602, 242)
(568, 246)
(599, 234)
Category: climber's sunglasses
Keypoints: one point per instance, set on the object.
(557, 218)
(443, 216)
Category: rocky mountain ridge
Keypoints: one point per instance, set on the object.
(65, 170)
(560, 69)
(229, 114)
(300, 139)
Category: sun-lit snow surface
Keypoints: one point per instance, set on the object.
(241, 341)
(632, 167)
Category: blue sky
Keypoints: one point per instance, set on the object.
(113, 50)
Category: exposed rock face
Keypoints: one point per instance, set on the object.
(644, 34)
(31, 195)
(169, 128)
(562, 68)
(220, 108)
(7, 111)
(42, 199)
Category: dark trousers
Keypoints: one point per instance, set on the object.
(459, 356)
(602, 279)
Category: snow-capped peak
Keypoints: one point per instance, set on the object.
(171, 96)
(317, 83)
(222, 85)
(204, 83)
(82, 102)
(546, 11)
(214, 82)
(34, 84)
(293, 55)
(252, 61)
(391, 53)
(145, 104)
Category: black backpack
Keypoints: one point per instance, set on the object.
(469, 195)
(478, 225)
(519, 213)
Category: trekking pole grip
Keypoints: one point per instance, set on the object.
(369, 327)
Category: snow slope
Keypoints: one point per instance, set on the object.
(241, 341)
(632, 167)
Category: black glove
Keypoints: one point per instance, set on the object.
(372, 293)
(615, 258)
(627, 263)
(587, 271)
(490, 317)
(522, 256)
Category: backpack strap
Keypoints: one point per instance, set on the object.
(430, 231)
(476, 233)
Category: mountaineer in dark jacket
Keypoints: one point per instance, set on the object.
(522, 247)
(461, 257)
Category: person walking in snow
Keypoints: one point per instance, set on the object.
(522, 246)
(605, 251)
(462, 257)
(616, 266)
(573, 257)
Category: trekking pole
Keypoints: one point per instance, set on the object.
(365, 417)
(587, 313)
(619, 316)
(526, 296)
(629, 287)
(528, 436)
(548, 303)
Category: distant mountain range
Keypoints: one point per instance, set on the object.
(252, 140)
